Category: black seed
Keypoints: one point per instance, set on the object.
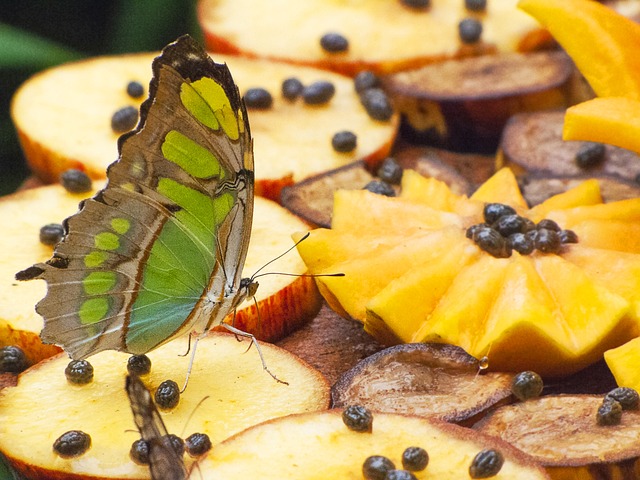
(358, 418)
(547, 241)
(175, 442)
(79, 372)
(139, 364)
(197, 444)
(377, 104)
(124, 119)
(492, 242)
(381, 188)
(528, 225)
(334, 42)
(548, 224)
(376, 467)
(521, 243)
(475, 5)
(365, 80)
(318, 92)
(51, 234)
(75, 181)
(415, 459)
(416, 3)
(568, 236)
(399, 475)
(487, 463)
(72, 444)
(590, 154)
(470, 232)
(493, 211)
(532, 235)
(509, 224)
(627, 397)
(344, 141)
(526, 385)
(139, 452)
(12, 359)
(470, 30)
(258, 99)
(292, 88)
(609, 413)
(135, 89)
(390, 171)
(167, 395)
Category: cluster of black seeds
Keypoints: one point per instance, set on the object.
(504, 230)
(379, 467)
(72, 444)
(526, 385)
(614, 402)
(79, 372)
(167, 395)
(389, 173)
(487, 463)
(125, 118)
(372, 97)
(12, 359)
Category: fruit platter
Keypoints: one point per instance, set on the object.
(399, 242)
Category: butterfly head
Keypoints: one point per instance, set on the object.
(248, 287)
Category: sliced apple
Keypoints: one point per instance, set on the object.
(230, 382)
(72, 129)
(426, 379)
(382, 36)
(283, 302)
(319, 445)
(562, 434)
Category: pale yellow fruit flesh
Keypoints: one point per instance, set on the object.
(284, 302)
(291, 140)
(238, 392)
(319, 446)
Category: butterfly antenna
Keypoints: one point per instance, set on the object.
(255, 274)
(254, 341)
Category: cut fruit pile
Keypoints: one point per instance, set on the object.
(284, 302)
(383, 36)
(292, 140)
(241, 394)
(412, 275)
(319, 445)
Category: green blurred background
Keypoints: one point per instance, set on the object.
(36, 34)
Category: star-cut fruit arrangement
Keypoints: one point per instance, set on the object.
(414, 270)
(283, 302)
(58, 132)
(228, 392)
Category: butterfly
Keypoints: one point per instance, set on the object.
(164, 461)
(159, 251)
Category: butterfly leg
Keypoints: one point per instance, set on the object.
(254, 341)
(191, 359)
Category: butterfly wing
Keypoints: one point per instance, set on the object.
(162, 246)
(164, 462)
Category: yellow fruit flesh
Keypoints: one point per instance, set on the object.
(538, 312)
(240, 393)
(319, 446)
(623, 362)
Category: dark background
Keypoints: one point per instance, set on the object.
(36, 34)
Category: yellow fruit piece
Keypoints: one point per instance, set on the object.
(363, 212)
(586, 193)
(418, 291)
(615, 270)
(622, 210)
(436, 194)
(623, 362)
(367, 275)
(612, 120)
(602, 43)
(612, 235)
(502, 187)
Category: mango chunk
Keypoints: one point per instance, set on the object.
(502, 187)
(623, 362)
(586, 193)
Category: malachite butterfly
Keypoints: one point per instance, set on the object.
(164, 461)
(159, 252)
